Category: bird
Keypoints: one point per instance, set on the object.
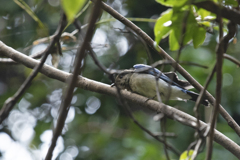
(144, 80)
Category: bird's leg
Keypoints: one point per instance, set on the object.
(151, 98)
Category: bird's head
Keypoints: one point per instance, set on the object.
(122, 79)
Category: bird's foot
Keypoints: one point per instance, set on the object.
(150, 98)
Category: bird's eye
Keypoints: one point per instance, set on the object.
(120, 76)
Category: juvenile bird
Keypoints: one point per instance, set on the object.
(143, 80)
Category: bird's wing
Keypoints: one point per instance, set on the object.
(174, 77)
(155, 72)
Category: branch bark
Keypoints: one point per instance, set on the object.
(99, 87)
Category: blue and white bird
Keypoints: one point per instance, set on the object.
(143, 80)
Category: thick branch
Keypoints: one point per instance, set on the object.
(99, 87)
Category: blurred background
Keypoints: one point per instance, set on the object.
(97, 126)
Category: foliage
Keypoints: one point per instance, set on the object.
(186, 155)
(184, 22)
(72, 7)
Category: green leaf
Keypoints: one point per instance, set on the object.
(162, 26)
(217, 28)
(191, 24)
(203, 13)
(178, 22)
(199, 36)
(173, 22)
(205, 23)
(172, 3)
(186, 155)
(233, 3)
(173, 41)
(71, 8)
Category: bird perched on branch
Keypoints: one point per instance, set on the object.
(150, 82)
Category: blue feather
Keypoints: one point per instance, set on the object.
(155, 72)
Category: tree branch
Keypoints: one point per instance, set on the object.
(221, 49)
(234, 60)
(99, 87)
(219, 62)
(231, 122)
(11, 101)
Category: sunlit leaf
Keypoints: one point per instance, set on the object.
(203, 13)
(191, 24)
(84, 9)
(72, 7)
(233, 3)
(173, 41)
(217, 29)
(196, 1)
(172, 3)
(199, 35)
(188, 35)
(162, 26)
(205, 23)
(182, 21)
(186, 155)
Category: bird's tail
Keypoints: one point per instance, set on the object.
(195, 96)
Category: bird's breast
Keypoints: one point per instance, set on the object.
(145, 84)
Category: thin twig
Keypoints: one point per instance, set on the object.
(202, 93)
(219, 62)
(93, 55)
(166, 134)
(167, 62)
(145, 45)
(128, 111)
(234, 60)
(40, 53)
(163, 119)
(222, 47)
(196, 148)
(65, 105)
(196, 110)
(231, 122)
(10, 102)
(163, 129)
